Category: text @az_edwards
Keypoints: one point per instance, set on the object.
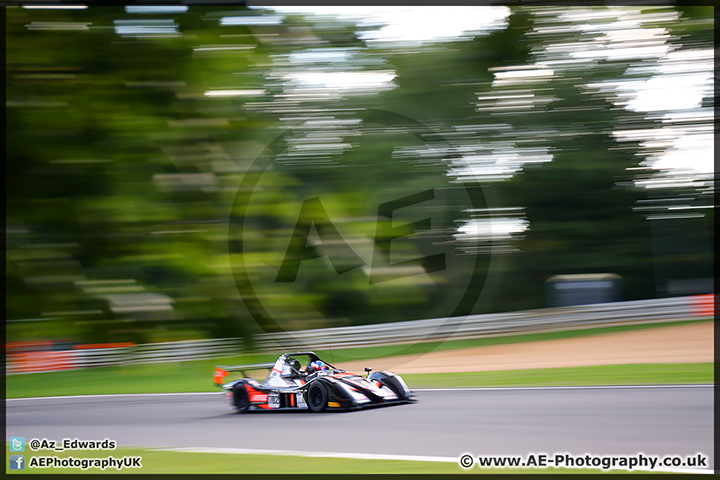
(71, 444)
(603, 462)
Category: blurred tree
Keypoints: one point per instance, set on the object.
(680, 207)
(117, 171)
(150, 158)
(580, 206)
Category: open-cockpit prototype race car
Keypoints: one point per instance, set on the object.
(318, 386)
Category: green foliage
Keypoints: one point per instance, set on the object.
(144, 206)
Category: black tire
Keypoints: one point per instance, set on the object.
(240, 395)
(317, 397)
(394, 385)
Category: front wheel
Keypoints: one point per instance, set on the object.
(317, 397)
(394, 384)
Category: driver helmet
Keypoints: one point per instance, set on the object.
(318, 365)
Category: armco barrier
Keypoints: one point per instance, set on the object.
(640, 311)
(564, 318)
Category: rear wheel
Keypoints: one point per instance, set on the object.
(317, 397)
(242, 402)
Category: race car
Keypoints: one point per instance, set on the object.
(318, 387)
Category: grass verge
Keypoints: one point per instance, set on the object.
(159, 462)
(638, 374)
(166, 378)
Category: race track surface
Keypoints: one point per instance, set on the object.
(619, 421)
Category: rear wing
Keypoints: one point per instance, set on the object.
(222, 371)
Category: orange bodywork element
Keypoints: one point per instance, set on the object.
(255, 396)
(220, 375)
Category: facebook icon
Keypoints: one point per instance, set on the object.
(17, 462)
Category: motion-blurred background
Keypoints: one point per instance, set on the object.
(162, 160)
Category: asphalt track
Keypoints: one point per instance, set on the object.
(514, 421)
